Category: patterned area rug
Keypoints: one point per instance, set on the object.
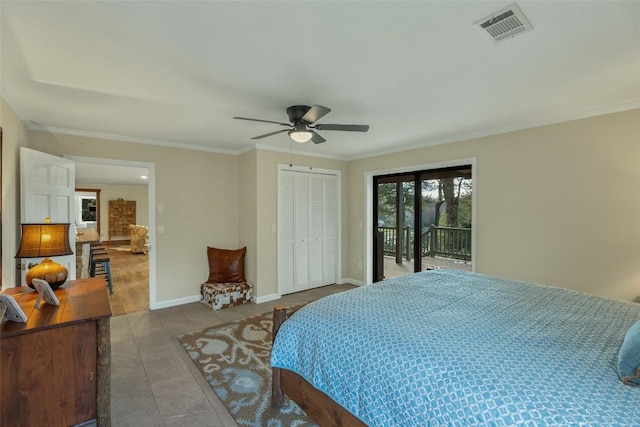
(235, 359)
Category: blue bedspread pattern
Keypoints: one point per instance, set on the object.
(451, 348)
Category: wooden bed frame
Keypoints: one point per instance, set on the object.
(324, 410)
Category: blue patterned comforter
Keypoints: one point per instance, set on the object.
(460, 349)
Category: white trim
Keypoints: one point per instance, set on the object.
(151, 195)
(349, 281)
(174, 302)
(296, 168)
(267, 298)
(32, 126)
(306, 169)
(368, 200)
(14, 104)
(123, 138)
(497, 131)
(106, 161)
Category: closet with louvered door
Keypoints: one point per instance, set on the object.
(307, 229)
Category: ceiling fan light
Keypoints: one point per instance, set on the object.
(300, 135)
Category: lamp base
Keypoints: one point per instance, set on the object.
(49, 271)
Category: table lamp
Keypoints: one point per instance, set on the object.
(45, 240)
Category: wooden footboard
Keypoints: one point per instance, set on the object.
(324, 410)
(277, 395)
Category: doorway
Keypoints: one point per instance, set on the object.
(423, 221)
(87, 215)
(122, 179)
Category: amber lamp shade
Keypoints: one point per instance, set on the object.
(45, 240)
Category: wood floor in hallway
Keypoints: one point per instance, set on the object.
(130, 278)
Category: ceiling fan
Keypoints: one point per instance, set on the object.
(301, 128)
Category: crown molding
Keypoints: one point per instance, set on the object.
(169, 144)
(497, 131)
(122, 138)
(13, 104)
(32, 126)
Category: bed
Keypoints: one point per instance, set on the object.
(448, 347)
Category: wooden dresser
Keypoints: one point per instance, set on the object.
(122, 213)
(55, 369)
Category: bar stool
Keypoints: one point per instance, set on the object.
(99, 258)
(95, 249)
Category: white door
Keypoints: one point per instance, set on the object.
(301, 231)
(307, 230)
(330, 230)
(316, 226)
(286, 235)
(47, 190)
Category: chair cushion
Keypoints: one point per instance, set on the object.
(223, 295)
(226, 265)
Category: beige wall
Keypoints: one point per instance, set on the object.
(248, 182)
(558, 205)
(14, 136)
(267, 202)
(199, 191)
(139, 193)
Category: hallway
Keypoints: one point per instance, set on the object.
(130, 278)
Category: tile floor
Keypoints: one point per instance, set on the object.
(154, 382)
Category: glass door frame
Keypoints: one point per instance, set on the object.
(417, 177)
(397, 178)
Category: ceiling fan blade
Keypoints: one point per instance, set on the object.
(263, 121)
(315, 138)
(270, 133)
(315, 113)
(348, 128)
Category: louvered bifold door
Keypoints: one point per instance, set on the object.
(307, 230)
(286, 235)
(330, 230)
(316, 230)
(301, 230)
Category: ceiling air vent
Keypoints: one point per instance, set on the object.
(504, 24)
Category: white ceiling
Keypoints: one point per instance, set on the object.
(419, 73)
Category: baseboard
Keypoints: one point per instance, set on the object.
(174, 302)
(196, 298)
(267, 298)
(350, 281)
(258, 300)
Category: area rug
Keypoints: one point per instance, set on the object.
(235, 359)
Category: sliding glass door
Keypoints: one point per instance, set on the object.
(395, 218)
(422, 221)
(445, 229)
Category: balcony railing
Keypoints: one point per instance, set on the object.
(389, 238)
(449, 242)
